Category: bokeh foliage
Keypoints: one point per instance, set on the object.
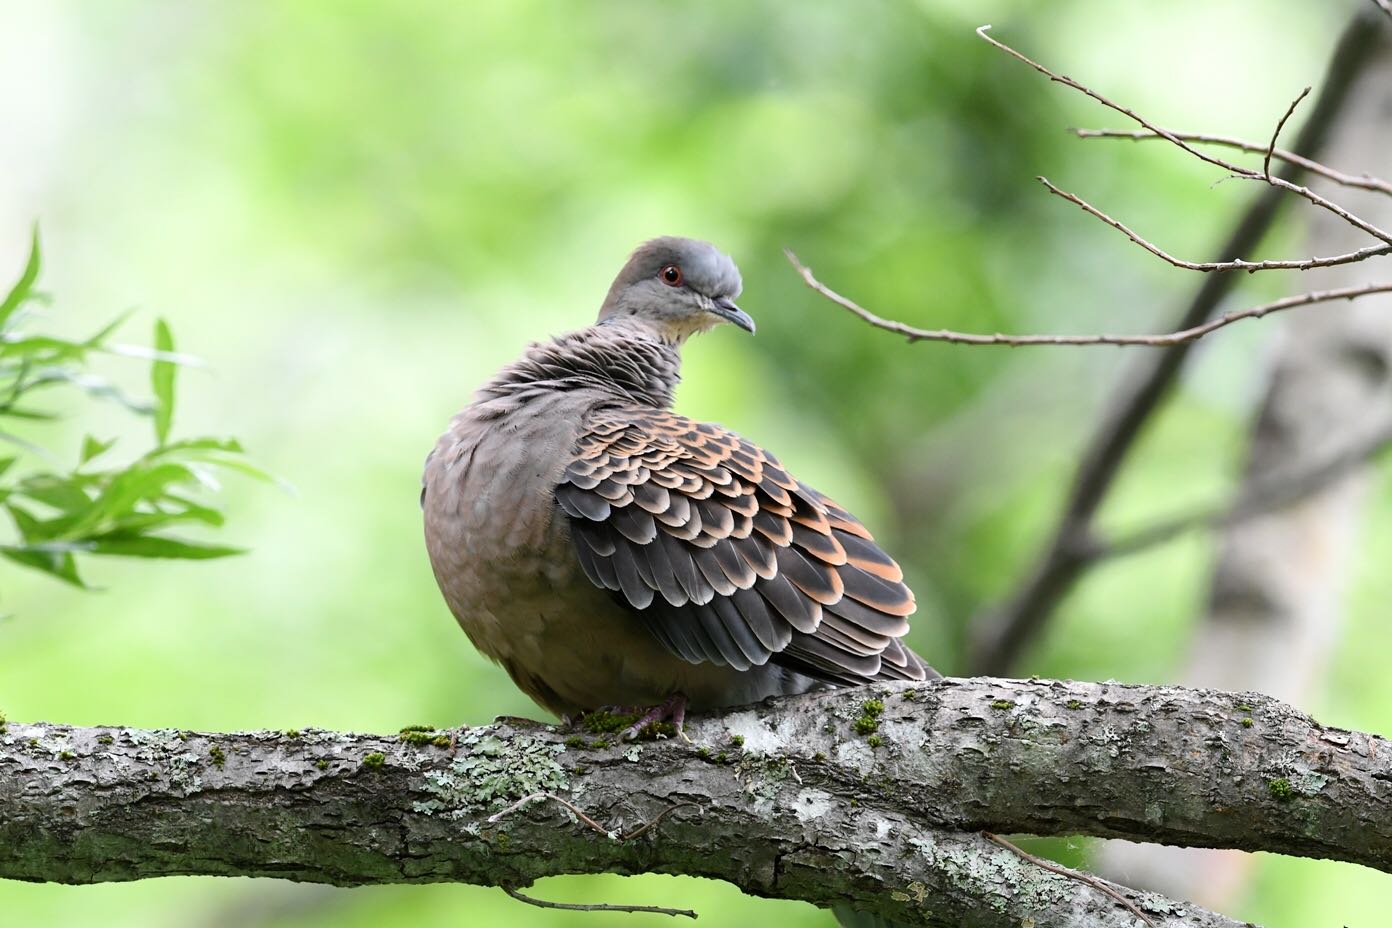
(355, 211)
(60, 515)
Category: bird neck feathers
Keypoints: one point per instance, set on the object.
(615, 357)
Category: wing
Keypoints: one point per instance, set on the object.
(729, 559)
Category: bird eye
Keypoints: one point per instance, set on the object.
(671, 275)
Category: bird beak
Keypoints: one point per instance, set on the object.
(725, 308)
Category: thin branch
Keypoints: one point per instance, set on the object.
(596, 906)
(1361, 181)
(1384, 5)
(643, 829)
(1234, 169)
(1266, 495)
(1109, 104)
(1266, 161)
(569, 806)
(1208, 266)
(1001, 635)
(1167, 340)
(1052, 867)
(580, 814)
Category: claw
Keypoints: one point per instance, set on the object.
(673, 709)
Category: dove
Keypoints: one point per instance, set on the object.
(609, 552)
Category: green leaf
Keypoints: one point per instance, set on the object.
(63, 495)
(99, 339)
(29, 526)
(230, 445)
(38, 532)
(57, 562)
(61, 515)
(133, 545)
(248, 469)
(193, 512)
(57, 349)
(31, 414)
(126, 490)
(162, 382)
(25, 286)
(91, 448)
(145, 522)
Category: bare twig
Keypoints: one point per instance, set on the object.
(1361, 181)
(1266, 161)
(1265, 496)
(1209, 266)
(629, 836)
(1000, 636)
(597, 906)
(570, 806)
(1167, 340)
(1070, 874)
(580, 814)
(1234, 169)
(1088, 91)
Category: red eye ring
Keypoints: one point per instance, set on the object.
(671, 275)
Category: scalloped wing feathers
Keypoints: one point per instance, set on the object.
(729, 559)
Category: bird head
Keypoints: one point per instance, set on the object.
(678, 287)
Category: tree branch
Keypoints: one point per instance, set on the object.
(1236, 170)
(1000, 637)
(1361, 181)
(1167, 340)
(1263, 495)
(1237, 264)
(793, 799)
(1276, 133)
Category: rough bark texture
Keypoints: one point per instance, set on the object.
(1276, 605)
(869, 796)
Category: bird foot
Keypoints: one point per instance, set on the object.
(673, 710)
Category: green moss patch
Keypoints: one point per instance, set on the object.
(868, 722)
(422, 735)
(602, 722)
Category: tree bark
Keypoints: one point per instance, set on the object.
(871, 797)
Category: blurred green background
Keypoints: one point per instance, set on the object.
(356, 211)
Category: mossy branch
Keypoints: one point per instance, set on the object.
(871, 797)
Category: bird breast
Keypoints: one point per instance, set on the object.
(502, 554)
(490, 522)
